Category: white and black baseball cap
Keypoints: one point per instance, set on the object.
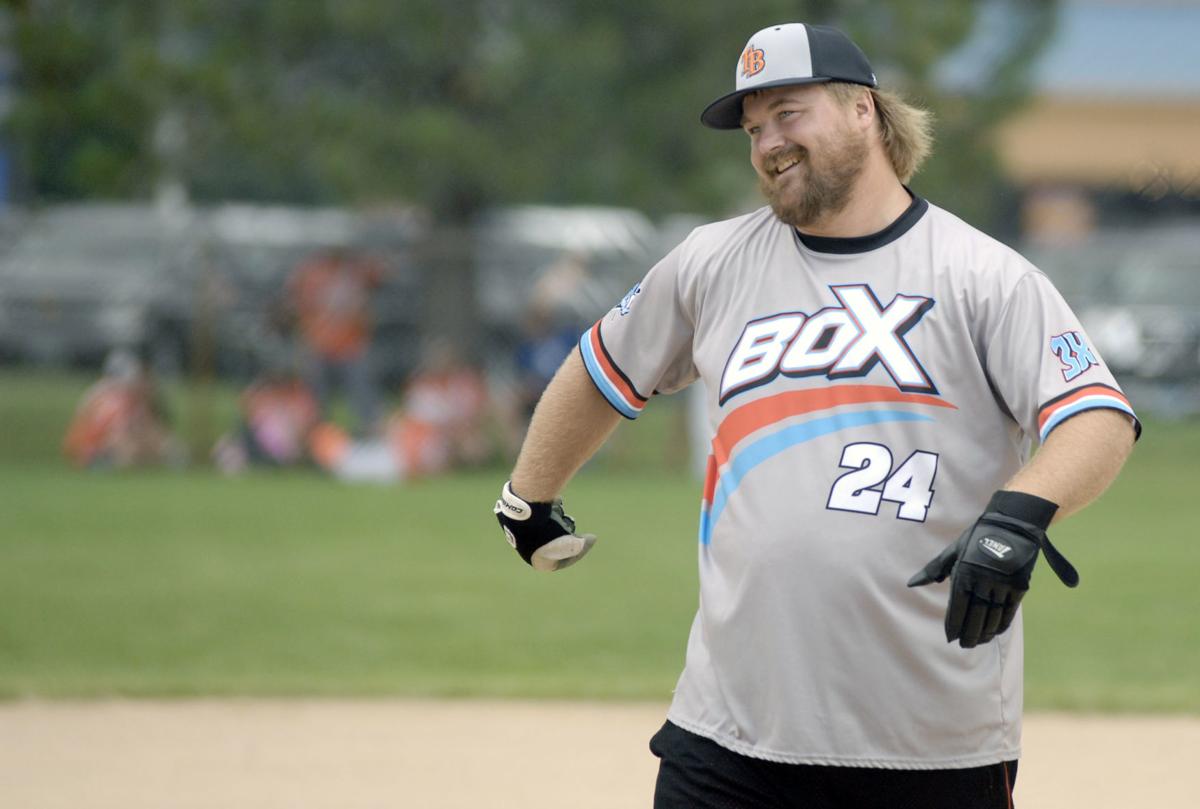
(792, 53)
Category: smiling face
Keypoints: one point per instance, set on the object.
(807, 149)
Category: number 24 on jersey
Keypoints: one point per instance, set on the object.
(872, 481)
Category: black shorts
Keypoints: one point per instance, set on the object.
(697, 773)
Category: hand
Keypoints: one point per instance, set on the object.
(541, 533)
(990, 567)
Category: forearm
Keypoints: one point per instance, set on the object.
(1079, 460)
(571, 421)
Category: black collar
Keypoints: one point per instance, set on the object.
(862, 244)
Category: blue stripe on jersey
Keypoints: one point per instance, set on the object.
(705, 525)
(772, 445)
(1086, 403)
(606, 388)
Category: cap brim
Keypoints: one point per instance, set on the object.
(726, 111)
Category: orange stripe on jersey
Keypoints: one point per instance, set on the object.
(614, 375)
(758, 414)
(1053, 407)
(710, 479)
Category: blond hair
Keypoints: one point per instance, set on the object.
(905, 131)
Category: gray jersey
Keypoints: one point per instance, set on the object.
(865, 397)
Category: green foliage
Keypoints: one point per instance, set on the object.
(964, 174)
(451, 105)
(185, 583)
(83, 120)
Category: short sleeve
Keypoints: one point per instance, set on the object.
(643, 345)
(1042, 363)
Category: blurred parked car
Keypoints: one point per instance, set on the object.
(79, 280)
(185, 285)
(250, 250)
(544, 274)
(522, 247)
(1137, 293)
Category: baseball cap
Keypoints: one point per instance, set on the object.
(792, 53)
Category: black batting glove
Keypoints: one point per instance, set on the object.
(990, 566)
(541, 533)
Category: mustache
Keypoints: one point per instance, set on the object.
(795, 153)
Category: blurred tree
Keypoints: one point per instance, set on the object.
(455, 106)
(82, 120)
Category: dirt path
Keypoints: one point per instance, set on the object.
(455, 755)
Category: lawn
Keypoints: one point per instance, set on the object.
(186, 583)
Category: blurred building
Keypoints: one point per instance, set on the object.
(1105, 159)
(1114, 121)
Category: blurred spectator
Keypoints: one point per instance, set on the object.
(550, 329)
(559, 285)
(329, 297)
(441, 424)
(449, 396)
(545, 343)
(277, 413)
(408, 449)
(121, 421)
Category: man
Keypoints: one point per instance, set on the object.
(876, 371)
(122, 421)
(329, 296)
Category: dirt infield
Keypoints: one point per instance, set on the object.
(451, 755)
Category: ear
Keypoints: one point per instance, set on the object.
(864, 108)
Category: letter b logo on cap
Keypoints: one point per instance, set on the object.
(753, 61)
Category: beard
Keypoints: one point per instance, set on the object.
(826, 184)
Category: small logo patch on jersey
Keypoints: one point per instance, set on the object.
(627, 301)
(753, 61)
(995, 547)
(1074, 353)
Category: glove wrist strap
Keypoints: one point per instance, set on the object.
(515, 508)
(1036, 511)
(1028, 507)
(1065, 571)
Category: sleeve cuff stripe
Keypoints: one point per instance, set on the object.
(609, 390)
(1062, 399)
(1061, 414)
(615, 375)
(1090, 392)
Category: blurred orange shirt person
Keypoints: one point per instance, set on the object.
(106, 411)
(119, 422)
(450, 399)
(280, 412)
(330, 295)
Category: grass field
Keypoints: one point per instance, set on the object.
(186, 583)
